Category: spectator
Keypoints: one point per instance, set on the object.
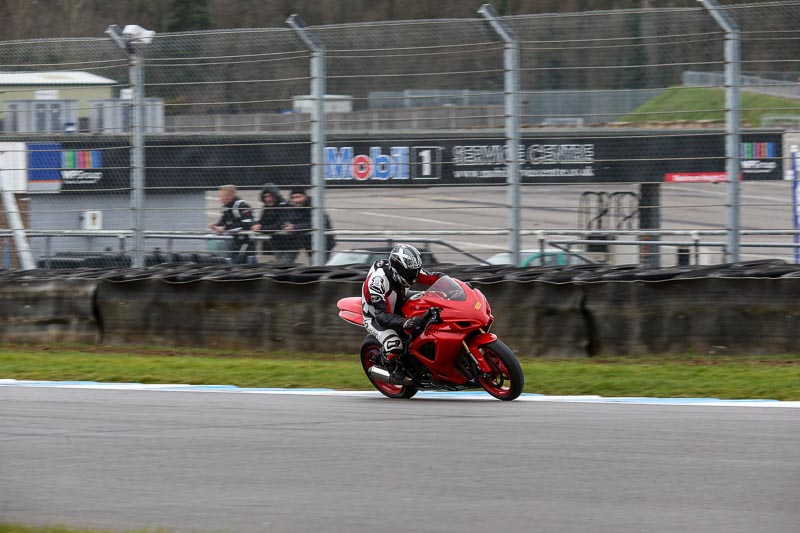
(273, 216)
(299, 225)
(235, 220)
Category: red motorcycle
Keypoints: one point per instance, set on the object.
(453, 350)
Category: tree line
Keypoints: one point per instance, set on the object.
(34, 19)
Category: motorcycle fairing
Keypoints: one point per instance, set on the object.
(350, 310)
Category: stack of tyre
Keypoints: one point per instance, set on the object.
(181, 268)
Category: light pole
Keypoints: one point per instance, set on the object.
(733, 67)
(317, 136)
(130, 39)
(511, 85)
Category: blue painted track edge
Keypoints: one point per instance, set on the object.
(463, 395)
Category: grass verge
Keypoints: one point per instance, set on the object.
(757, 377)
(698, 103)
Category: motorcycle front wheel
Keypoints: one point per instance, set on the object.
(371, 356)
(506, 380)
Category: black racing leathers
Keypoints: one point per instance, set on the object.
(382, 298)
(237, 217)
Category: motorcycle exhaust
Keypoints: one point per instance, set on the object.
(381, 374)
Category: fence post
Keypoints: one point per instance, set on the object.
(650, 219)
(137, 138)
(794, 154)
(733, 69)
(318, 241)
(511, 87)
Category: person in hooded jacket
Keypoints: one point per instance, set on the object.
(299, 224)
(273, 217)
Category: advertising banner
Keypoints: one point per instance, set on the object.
(207, 162)
(53, 167)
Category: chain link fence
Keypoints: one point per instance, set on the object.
(619, 118)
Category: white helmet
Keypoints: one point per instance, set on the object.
(405, 262)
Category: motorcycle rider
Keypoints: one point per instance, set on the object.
(382, 296)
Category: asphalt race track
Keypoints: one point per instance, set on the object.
(200, 461)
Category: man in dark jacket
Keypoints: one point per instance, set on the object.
(236, 217)
(273, 217)
(299, 224)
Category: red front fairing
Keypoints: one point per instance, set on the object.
(464, 313)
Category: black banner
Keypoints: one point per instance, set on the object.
(208, 162)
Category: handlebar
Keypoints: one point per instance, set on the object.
(431, 316)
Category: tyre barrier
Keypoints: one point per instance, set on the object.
(485, 278)
(344, 275)
(187, 270)
(550, 311)
(72, 260)
(566, 274)
(528, 274)
(308, 274)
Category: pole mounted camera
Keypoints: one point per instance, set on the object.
(129, 35)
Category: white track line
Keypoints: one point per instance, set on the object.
(463, 395)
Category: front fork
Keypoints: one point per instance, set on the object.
(472, 346)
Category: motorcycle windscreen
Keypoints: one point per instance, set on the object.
(446, 288)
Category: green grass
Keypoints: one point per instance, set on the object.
(772, 377)
(698, 103)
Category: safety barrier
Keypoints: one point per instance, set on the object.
(52, 310)
(546, 311)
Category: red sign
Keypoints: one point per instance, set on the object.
(696, 177)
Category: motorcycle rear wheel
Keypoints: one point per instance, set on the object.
(371, 356)
(506, 380)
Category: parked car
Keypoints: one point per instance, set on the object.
(535, 257)
(367, 256)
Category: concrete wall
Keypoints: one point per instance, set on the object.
(272, 310)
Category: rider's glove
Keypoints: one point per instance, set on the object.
(412, 324)
(436, 274)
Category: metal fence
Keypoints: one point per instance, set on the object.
(521, 135)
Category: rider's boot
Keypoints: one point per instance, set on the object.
(392, 363)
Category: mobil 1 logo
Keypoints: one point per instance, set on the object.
(426, 162)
